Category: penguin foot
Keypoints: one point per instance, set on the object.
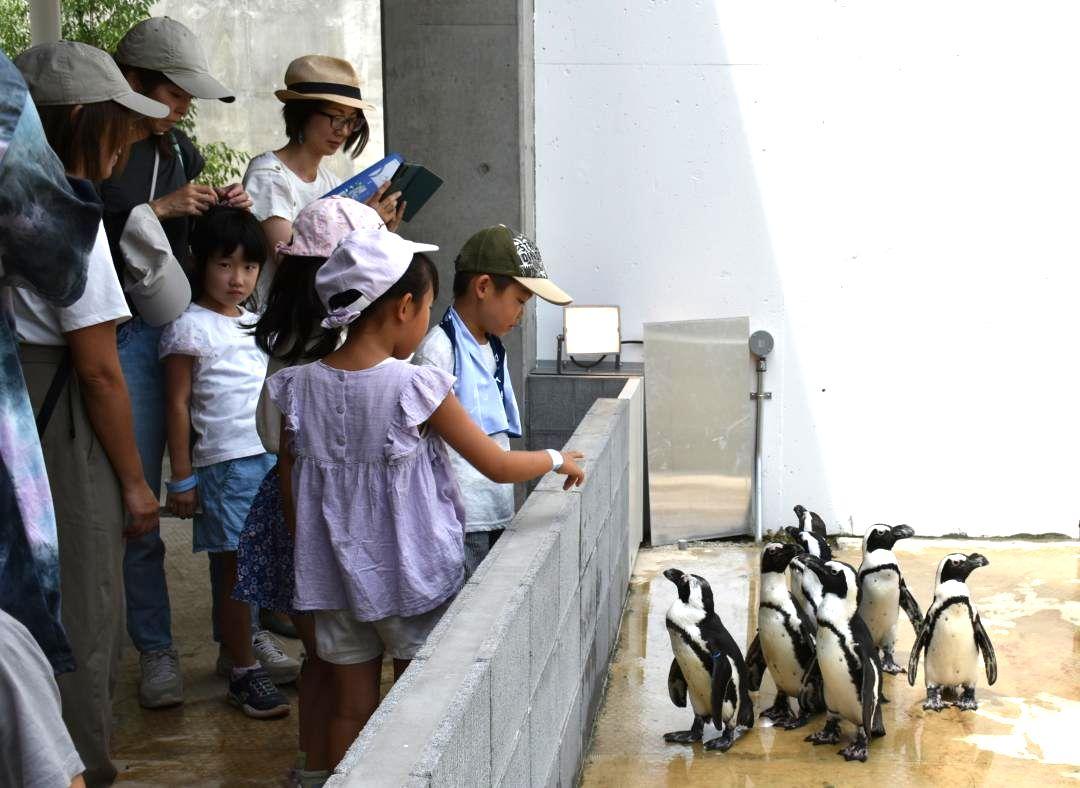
(722, 742)
(933, 699)
(858, 750)
(830, 734)
(967, 702)
(791, 723)
(777, 712)
(889, 664)
(682, 737)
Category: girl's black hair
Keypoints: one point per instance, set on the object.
(418, 277)
(220, 231)
(298, 112)
(289, 329)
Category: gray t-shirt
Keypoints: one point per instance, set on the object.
(35, 748)
(489, 506)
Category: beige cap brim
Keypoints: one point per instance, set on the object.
(137, 102)
(545, 289)
(165, 297)
(201, 85)
(292, 95)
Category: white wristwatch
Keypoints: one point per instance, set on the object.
(556, 459)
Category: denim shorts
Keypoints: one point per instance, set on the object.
(226, 490)
(342, 640)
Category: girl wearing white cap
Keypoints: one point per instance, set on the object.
(88, 442)
(324, 114)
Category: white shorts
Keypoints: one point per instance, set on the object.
(342, 640)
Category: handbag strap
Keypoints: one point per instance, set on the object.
(56, 388)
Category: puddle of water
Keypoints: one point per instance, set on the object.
(1024, 730)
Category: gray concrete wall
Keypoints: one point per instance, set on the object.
(507, 687)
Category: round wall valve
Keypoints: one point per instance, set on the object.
(761, 343)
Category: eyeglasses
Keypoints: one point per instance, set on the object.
(341, 122)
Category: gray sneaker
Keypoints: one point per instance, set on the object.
(161, 684)
(281, 668)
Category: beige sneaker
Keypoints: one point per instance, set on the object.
(160, 684)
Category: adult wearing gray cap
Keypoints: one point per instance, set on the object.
(149, 209)
(95, 474)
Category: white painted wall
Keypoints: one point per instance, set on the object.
(250, 43)
(891, 189)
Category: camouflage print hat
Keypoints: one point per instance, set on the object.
(501, 250)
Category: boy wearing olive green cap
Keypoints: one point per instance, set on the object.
(497, 272)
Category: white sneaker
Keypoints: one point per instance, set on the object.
(281, 668)
(160, 684)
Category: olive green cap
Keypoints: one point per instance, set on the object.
(501, 250)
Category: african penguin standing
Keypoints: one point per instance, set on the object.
(785, 644)
(884, 591)
(953, 636)
(848, 660)
(708, 666)
(804, 584)
(810, 521)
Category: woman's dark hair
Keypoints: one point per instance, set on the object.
(149, 80)
(418, 277)
(289, 328)
(463, 279)
(220, 231)
(80, 140)
(298, 112)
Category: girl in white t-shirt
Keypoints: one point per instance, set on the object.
(213, 376)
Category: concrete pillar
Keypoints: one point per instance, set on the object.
(458, 93)
(44, 21)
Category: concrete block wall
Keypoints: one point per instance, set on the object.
(506, 689)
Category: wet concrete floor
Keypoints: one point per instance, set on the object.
(1024, 732)
(204, 742)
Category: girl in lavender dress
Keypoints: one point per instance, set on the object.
(367, 487)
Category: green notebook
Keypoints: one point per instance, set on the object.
(416, 183)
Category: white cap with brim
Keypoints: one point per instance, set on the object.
(163, 44)
(66, 73)
(154, 280)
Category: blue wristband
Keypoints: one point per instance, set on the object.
(190, 483)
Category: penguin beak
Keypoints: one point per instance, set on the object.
(792, 531)
(974, 561)
(799, 511)
(674, 575)
(902, 532)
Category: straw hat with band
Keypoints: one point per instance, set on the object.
(323, 78)
(163, 44)
(501, 250)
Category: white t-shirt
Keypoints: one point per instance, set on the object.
(276, 190)
(488, 505)
(37, 322)
(226, 379)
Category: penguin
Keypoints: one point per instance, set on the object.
(785, 644)
(884, 591)
(805, 586)
(810, 521)
(847, 657)
(953, 636)
(708, 666)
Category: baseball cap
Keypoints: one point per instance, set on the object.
(163, 44)
(501, 250)
(65, 73)
(153, 279)
(320, 226)
(366, 264)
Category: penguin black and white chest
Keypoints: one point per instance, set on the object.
(784, 643)
(805, 586)
(883, 590)
(953, 636)
(708, 666)
(848, 661)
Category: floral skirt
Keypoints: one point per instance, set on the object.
(264, 556)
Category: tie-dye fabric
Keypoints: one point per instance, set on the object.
(46, 234)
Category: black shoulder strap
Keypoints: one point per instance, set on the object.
(56, 388)
(447, 325)
(499, 352)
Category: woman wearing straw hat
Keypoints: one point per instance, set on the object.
(324, 114)
(149, 210)
(95, 473)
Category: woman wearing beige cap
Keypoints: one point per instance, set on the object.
(324, 114)
(95, 474)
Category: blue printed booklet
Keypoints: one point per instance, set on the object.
(366, 183)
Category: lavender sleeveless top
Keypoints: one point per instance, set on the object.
(379, 520)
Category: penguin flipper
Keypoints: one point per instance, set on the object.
(817, 525)
(755, 664)
(722, 680)
(921, 642)
(910, 606)
(982, 640)
(676, 685)
(871, 696)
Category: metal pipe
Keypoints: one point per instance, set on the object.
(759, 397)
(44, 21)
